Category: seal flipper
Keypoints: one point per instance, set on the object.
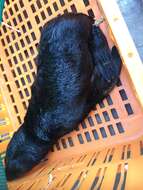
(107, 65)
(117, 60)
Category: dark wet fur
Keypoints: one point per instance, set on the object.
(75, 70)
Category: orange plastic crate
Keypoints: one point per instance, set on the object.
(106, 152)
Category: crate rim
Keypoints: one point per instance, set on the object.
(126, 46)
